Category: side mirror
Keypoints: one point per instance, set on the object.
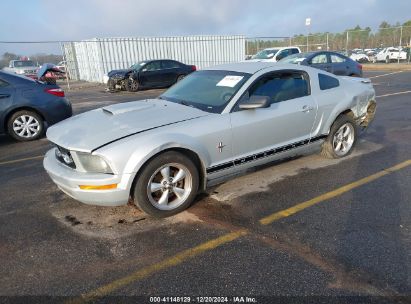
(256, 102)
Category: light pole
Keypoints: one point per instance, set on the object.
(307, 24)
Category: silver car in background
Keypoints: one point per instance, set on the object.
(159, 153)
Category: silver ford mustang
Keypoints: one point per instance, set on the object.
(159, 153)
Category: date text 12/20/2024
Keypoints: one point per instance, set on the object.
(203, 300)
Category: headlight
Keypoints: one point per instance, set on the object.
(93, 163)
(118, 76)
(19, 71)
(64, 156)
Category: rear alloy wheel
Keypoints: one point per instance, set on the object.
(131, 84)
(341, 139)
(167, 185)
(25, 126)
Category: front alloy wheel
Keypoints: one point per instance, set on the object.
(131, 84)
(166, 185)
(169, 186)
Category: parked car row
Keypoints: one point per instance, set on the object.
(387, 55)
(29, 68)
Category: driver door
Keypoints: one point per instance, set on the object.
(152, 74)
(288, 120)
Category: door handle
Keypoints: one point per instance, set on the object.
(4, 95)
(307, 109)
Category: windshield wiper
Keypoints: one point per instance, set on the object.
(185, 103)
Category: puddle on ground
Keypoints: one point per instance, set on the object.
(111, 222)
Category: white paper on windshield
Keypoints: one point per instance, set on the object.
(229, 81)
(299, 59)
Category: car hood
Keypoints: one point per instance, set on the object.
(48, 67)
(118, 72)
(91, 130)
(261, 60)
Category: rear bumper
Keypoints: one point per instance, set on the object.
(57, 110)
(68, 180)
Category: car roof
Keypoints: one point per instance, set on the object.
(252, 67)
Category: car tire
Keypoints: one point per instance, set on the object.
(341, 139)
(25, 126)
(132, 84)
(155, 190)
(180, 77)
(111, 84)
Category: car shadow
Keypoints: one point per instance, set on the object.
(370, 240)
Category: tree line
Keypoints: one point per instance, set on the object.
(386, 35)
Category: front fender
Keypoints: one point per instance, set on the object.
(127, 156)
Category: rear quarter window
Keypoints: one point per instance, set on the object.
(327, 82)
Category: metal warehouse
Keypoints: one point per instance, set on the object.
(91, 59)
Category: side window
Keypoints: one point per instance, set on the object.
(294, 51)
(168, 64)
(3, 84)
(282, 86)
(327, 82)
(283, 54)
(321, 58)
(337, 59)
(174, 64)
(153, 66)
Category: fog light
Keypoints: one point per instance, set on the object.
(93, 187)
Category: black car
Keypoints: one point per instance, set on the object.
(27, 106)
(332, 62)
(148, 74)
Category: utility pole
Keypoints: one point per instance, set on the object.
(346, 45)
(328, 48)
(307, 24)
(399, 48)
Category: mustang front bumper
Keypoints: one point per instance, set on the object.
(69, 181)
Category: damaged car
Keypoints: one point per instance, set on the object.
(148, 75)
(212, 125)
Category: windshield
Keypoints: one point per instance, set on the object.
(209, 91)
(296, 58)
(265, 54)
(23, 63)
(138, 65)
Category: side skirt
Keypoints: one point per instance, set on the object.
(220, 173)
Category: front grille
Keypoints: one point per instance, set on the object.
(64, 156)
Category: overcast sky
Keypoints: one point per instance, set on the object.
(40, 20)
